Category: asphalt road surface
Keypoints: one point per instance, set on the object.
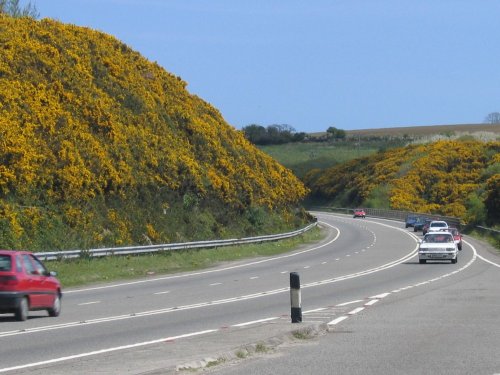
(374, 308)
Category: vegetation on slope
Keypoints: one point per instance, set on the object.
(101, 147)
(453, 178)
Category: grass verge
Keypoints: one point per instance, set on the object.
(86, 271)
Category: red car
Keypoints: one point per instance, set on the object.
(457, 236)
(359, 212)
(26, 285)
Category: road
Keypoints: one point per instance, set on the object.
(385, 313)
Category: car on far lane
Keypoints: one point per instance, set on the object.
(422, 225)
(438, 246)
(26, 285)
(411, 220)
(437, 225)
(359, 212)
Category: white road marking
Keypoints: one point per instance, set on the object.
(337, 320)
(349, 303)
(108, 350)
(379, 296)
(254, 322)
(215, 284)
(372, 302)
(165, 292)
(356, 310)
(88, 303)
(314, 310)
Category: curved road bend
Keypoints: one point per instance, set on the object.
(362, 265)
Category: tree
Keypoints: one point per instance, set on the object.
(14, 9)
(493, 118)
(333, 132)
(256, 134)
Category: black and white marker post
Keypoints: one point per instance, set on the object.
(295, 299)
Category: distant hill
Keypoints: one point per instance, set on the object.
(100, 146)
(456, 130)
(429, 130)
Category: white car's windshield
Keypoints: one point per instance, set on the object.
(438, 238)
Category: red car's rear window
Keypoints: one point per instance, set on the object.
(5, 263)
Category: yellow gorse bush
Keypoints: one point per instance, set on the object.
(81, 115)
(430, 178)
(84, 119)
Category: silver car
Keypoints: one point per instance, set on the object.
(438, 246)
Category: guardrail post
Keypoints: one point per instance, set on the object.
(295, 298)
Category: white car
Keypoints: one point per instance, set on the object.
(437, 225)
(438, 246)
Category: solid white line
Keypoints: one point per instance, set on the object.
(481, 257)
(338, 320)
(488, 261)
(108, 350)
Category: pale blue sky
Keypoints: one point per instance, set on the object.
(312, 64)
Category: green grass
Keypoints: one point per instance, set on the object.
(79, 272)
(302, 157)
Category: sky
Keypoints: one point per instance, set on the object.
(313, 64)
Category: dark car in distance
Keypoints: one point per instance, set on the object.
(411, 220)
(26, 285)
(418, 225)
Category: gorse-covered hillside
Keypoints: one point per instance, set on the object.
(453, 178)
(108, 148)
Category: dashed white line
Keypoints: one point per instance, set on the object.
(379, 296)
(254, 322)
(315, 310)
(88, 303)
(337, 320)
(372, 302)
(215, 284)
(356, 310)
(349, 303)
(165, 292)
